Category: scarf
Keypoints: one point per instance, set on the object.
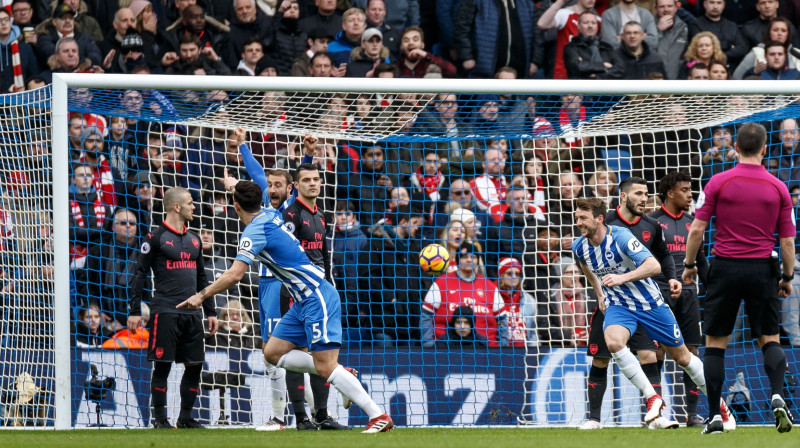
(429, 184)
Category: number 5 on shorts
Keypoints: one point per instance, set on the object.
(316, 333)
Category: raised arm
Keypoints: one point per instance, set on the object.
(548, 19)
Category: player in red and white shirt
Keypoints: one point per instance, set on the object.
(490, 188)
(519, 328)
(566, 20)
(464, 287)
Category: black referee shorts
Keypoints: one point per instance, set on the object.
(176, 338)
(732, 280)
(686, 309)
(597, 343)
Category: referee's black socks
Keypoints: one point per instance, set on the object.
(158, 389)
(596, 388)
(190, 387)
(775, 366)
(714, 371)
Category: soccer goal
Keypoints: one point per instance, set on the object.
(403, 164)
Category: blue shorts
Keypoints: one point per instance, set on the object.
(316, 322)
(659, 323)
(269, 305)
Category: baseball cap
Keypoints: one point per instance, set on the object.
(370, 33)
(320, 33)
(143, 177)
(62, 10)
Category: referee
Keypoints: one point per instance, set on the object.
(750, 206)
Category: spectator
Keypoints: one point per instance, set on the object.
(562, 205)
(139, 201)
(121, 154)
(395, 277)
(571, 117)
(194, 59)
(451, 238)
(472, 227)
(63, 25)
(510, 236)
(437, 308)
(317, 41)
(124, 19)
(83, 21)
(252, 54)
(325, 18)
(588, 57)
(368, 187)
(698, 71)
(520, 306)
(703, 47)
(415, 62)
(110, 268)
(130, 57)
(754, 30)
(428, 179)
(570, 295)
(249, 23)
(565, 19)
(87, 214)
(88, 331)
(22, 11)
(489, 35)
(673, 36)
(215, 260)
(399, 13)
(731, 41)
(603, 185)
(460, 193)
(354, 22)
(93, 154)
(9, 35)
(155, 38)
(616, 18)
(791, 10)
(777, 66)
(461, 331)
(779, 30)
(290, 41)
(440, 119)
(369, 55)
(236, 329)
(787, 152)
(376, 15)
(636, 54)
(490, 188)
(210, 34)
(718, 71)
(350, 256)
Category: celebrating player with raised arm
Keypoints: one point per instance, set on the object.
(314, 321)
(620, 268)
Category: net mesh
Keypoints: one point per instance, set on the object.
(526, 360)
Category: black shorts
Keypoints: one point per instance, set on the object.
(597, 342)
(686, 309)
(176, 338)
(732, 280)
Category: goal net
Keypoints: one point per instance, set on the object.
(488, 170)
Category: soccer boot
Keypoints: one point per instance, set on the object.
(783, 418)
(162, 424)
(694, 420)
(714, 426)
(306, 425)
(189, 423)
(329, 424)
(728, 422)
(590, 425)
(381, 423)
(654, 406)
(272, 424)
(663, 423)
(346, 402)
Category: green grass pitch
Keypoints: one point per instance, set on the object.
(759, 437)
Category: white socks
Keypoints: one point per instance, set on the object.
(297, 361)
(349, 385)
(277, 383)
(695, 371)
(629, 366)
(308, 393)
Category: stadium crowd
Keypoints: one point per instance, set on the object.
(503, 208)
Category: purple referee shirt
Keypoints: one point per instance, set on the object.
(750, 205)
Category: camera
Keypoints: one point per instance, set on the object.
(95, 388)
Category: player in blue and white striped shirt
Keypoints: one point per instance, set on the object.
(620, 268)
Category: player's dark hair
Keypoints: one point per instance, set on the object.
(596, 206)
(751, 138)
(628, 182)
(668, 182)
(282, 173)
(304, 167)
(248, 195)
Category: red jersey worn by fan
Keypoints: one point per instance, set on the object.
(567, 24)
(449, 292)
(489, 191)
(103, 180)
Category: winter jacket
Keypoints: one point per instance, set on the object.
(340, 49)
(27, 58)
(262, 27)
(757, 52)
(577, 59)
(639, 67)
(733, 44)
(612, 25)
(476, 34)
(289, 44)
(399, 13)
(514, 236)
(331, 24)
(671, 46)
(87, 47)
(787, 74)
(360, 63)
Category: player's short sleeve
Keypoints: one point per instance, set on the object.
(562, 16)
(576, 246)
(786, 217)
(629, 245)
(252, 241)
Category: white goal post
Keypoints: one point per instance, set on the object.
(772, 95)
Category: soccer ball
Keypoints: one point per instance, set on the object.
(434, 259)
